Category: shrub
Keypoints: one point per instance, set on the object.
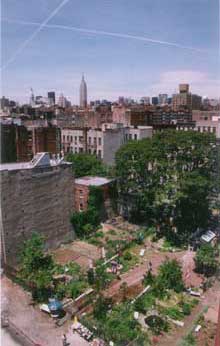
(205, 260)
(170, 276)
(127, 256)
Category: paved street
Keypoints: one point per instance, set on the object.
(35, 325)
(7, 340)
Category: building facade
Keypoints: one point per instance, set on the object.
(102, 142)
(82, 185)
(185, 100)
(83, 94)
(36, 196)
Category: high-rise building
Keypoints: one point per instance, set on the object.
(32, 98)
(185, 100)
(51, 98)
(154, 100)
(145, 100)
(83, 93)
(163, 99)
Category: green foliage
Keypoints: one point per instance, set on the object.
(170, 276)
(167, 181)
(186, 308)
(205, 260)
(75, 288)
(36, 268)
(127, 256)
(157, 324)
(102, 278)
(149, 278)
(86, 222)
(99, 234)
(102, 305)
(120, 326)
(174, 313)
(145, 302)
(86, 164)
(91, 276)
(189, 340)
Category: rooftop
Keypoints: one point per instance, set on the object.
(92, 181)
(39, 160)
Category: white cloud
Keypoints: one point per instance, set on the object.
(200, 83)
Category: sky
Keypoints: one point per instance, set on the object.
(130, 48)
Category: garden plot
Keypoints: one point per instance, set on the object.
(80, 252)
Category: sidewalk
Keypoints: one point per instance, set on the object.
(37, 326)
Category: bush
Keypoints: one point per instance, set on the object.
(186, 308)
(174, 313)
(170, 276)
(205, 260)
(102, 305)
(127, 256)
(75, 288)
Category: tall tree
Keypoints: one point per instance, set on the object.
(166, 181)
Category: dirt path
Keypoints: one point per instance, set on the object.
(135, 275)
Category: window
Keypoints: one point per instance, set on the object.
(90, 151)
(81, 207)
(75, 139)
(214, 129)
(130, 136)
(64, 138)
(198, 128)
(100, 141)
(89, 140)
(71, 138)
(81, 192)
(80, 150)
(95, 140)
(67, 138)
(135, 136)
(75, 150)
(100, 154)
(209, 129)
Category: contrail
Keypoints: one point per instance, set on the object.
(35, 33)
(107, 33)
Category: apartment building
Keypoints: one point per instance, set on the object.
(102, 142)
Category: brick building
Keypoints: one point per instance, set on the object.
(81, 192)
(132, 116)
(185, 100)
(35, 196)
(21, 143)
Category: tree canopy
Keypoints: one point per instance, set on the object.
(36, 267)
(170, 276)
(86, 164)
(166, 181)
(205, 260)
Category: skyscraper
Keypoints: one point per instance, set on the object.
(83, 93)
(51, 98)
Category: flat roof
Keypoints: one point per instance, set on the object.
(39, 160)
(92, 181)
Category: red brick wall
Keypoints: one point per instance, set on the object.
(81, 195)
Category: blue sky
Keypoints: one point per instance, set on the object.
(114, 63)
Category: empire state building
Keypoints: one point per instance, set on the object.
(83, 93)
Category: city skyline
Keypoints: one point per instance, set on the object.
(125, 49)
